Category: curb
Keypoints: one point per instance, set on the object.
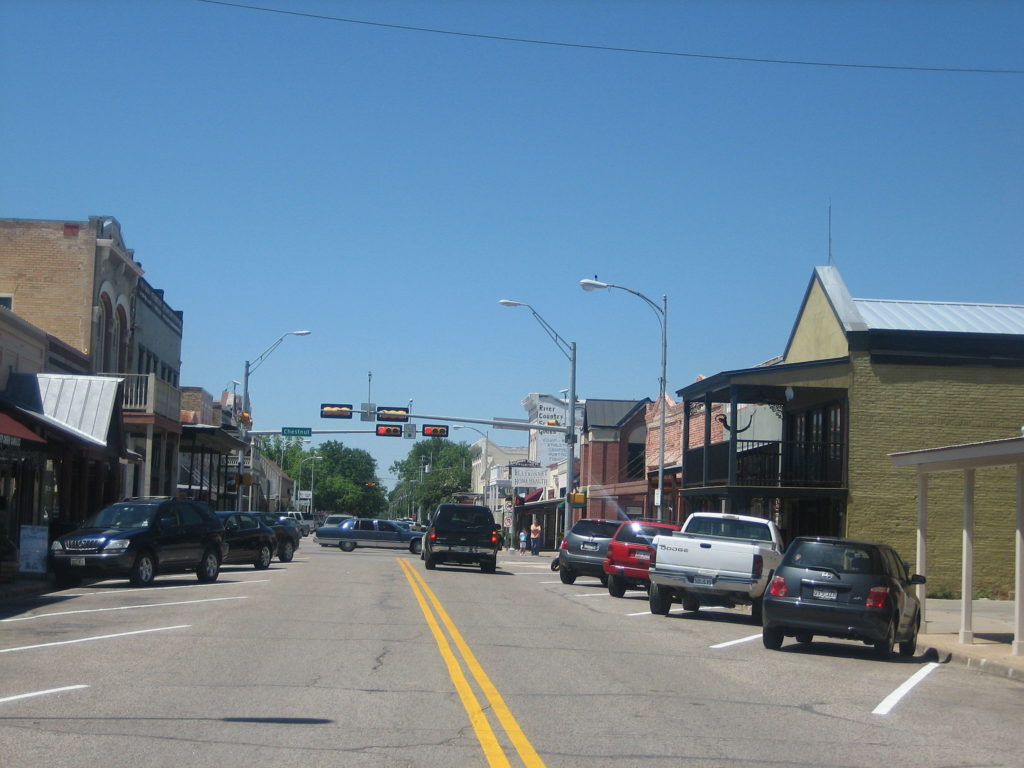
(982, 665)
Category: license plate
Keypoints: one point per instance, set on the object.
(642, 555)
(463, 549)
(588, 547)
(703, 581)
(824, 594)
(78, 561)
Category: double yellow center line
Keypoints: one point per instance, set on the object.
(485, 734)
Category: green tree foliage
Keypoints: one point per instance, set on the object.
(345, 479)
(431, 474)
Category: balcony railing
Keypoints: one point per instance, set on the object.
(147, 393)
(769, 463)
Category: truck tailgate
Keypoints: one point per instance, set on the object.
(722, 557)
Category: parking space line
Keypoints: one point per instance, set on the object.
(893, 698)
(648, 613)
(593, 594)
(95, 637)
(133, 590)
(123, 608)
(42, 693)
(737, 642)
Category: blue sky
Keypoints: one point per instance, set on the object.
(385, 187)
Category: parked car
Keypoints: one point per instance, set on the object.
(629, 555)
(305, 521)
(335, 519)
(140, 539)
(583, 549)
(367, 532)
(843, 588)
(287, 532)
(717, 559)
(249, 540)
(465, 534)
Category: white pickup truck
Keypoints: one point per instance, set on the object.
(716, 559)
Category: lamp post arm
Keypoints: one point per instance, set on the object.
(563, 345)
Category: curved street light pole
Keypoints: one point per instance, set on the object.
(662, 315)
(298, 485)
(243, 430)
(569, 350)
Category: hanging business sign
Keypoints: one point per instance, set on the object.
(529, 477)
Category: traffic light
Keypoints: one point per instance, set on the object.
(245, 419)
(393, 414)
(335, 410)
(435, 430)
(383, 430)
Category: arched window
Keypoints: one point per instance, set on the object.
(122, 340)
(106, 356)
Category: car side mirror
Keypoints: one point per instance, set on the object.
(917, 578)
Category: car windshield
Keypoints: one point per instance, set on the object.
(730, 529)
(122, 516)
(840, 557)
(599, 528)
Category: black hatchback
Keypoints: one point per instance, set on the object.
(842, 588)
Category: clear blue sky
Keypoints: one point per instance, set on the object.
(385, 187)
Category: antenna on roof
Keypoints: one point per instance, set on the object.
(830, 232)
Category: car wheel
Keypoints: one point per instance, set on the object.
(488, 566)
(690, 603)
(415, 545)
(604, 579)
(346, 545)
(566, 574)
(908, 647)
(209, 567)
(554, 564)
(659, 599)
(286, 553)
(804, 638)
(429, 563)
(883, 647)
(616, 586)
(143, 569)
(772, 638)
(263, 558)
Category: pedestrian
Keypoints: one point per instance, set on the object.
(522, 542)
(535, 537)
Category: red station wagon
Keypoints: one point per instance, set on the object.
(629, 554)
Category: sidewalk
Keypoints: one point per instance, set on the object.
(992, 622)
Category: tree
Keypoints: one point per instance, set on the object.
(346, 481)
(431, 474)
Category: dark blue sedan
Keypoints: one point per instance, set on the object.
(366, 532)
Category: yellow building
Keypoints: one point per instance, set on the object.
(861, 379)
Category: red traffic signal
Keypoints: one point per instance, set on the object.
(383, 430)
(392, 414)
(434, 430)
(335, 410)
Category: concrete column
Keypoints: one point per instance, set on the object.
(967, 574)
(1017, 648)
(921, 563)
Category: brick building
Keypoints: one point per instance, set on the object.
(861, 379)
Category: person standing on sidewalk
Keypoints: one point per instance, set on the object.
(535, 537)
(522, 542)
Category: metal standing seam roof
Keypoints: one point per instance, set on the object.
(608, 413)
(949, 317)
(82, 405)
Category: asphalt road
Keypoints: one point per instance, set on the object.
(367, 659)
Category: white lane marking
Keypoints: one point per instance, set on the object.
(96, 637)
(42, 693)
(648, 613)
(124, 608)
(737, 642)
(134, 590)
(893, 698)
(593, 594)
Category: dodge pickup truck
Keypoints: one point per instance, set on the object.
(717, 559)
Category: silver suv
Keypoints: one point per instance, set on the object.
(584, 548)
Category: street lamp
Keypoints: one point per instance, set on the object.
(298, 489)
(662, 315)
(243, 429)
(569, 350)
(483, 459)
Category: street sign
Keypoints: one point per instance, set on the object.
(305, 495)
(296, 432)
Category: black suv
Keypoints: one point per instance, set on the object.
(584, 548)
(463, 534)
(140, 539)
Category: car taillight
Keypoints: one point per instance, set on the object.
(432, 535)
(494, 538)
(564, 544)
(758, 568)
(877, 597)
(654, 556)
(778, 587)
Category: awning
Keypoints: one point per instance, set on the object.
(15, 429)
(533, 495)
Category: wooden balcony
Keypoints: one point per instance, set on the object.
(768, 464)
(145, 393)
